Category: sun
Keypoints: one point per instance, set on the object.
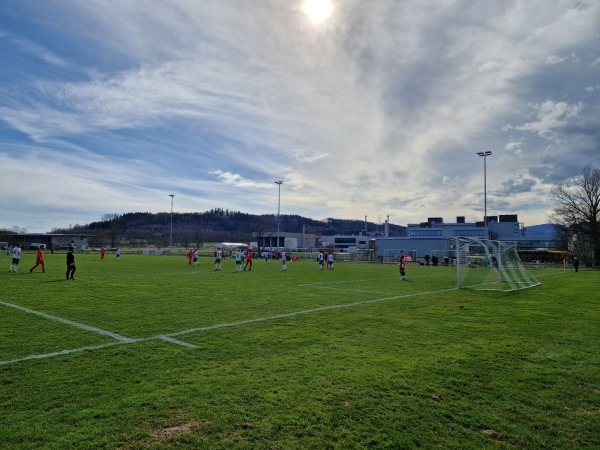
(317, 10)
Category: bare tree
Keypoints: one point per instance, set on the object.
(198, 237)
(577, 210)
(260, 236)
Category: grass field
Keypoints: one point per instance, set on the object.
(146, 352)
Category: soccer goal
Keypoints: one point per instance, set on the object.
(491, 265)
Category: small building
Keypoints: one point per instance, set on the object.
(270, 240)
(32, 241)
(347, 243)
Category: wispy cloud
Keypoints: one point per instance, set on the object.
(380, 109)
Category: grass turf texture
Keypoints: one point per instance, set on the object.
(349, 358)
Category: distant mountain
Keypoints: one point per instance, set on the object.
(212, 226)
(544, 231)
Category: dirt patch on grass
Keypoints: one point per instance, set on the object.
(174, 430)
(164, 435)
(493, 434)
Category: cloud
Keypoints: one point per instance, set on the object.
(34, 50)
(380, 109)
(515, 186)
(552, 117)
(237, 180)
(305, 156)
(555, 59)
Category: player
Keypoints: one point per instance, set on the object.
(239, 256)
(71, 264)
(118, 254)
(248, 260)
(320, 258)
(218, 257)
(284, 261)
(39, 259)
(195, 258)
(330, 261)
(401, 266)
(102, 253)
(16, 258)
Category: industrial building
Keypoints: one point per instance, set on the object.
(436, 236)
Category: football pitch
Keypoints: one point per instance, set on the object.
(146, 352)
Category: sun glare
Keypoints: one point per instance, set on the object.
(317, 10)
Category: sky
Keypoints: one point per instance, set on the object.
(361, 107)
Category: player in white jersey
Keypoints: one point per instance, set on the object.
(330, 261)
(239, 256)
(16, 258)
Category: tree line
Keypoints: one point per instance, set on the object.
(216, 225)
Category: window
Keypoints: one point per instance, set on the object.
(425, 233)
(345, 241)
(472, 232)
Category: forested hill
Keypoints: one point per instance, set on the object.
(212, 226)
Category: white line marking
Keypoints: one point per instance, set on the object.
(169, 337)
(175, 341)
(306, 311)
(96, 347)
(63, 352)
(70, 322)
(350, 290)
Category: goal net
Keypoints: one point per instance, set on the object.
(491, 265)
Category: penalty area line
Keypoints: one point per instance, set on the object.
(118, 337)
(170, 337)
(298, 313)
(63, 352)
(97, 347)
(174, 341)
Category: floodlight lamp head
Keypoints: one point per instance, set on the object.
(278, 182)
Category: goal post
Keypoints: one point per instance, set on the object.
(491, 265)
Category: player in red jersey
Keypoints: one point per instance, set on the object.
(248, 259)
(401, 265)
(39, 259)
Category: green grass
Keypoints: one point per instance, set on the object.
(349, 358)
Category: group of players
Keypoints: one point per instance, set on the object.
(40, 261)
(324, 260)
(243, 259)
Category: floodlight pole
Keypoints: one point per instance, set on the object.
(485, 218)
(279, 183)
(171, 239)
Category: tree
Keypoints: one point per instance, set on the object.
(259, 235)
(577, 211)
